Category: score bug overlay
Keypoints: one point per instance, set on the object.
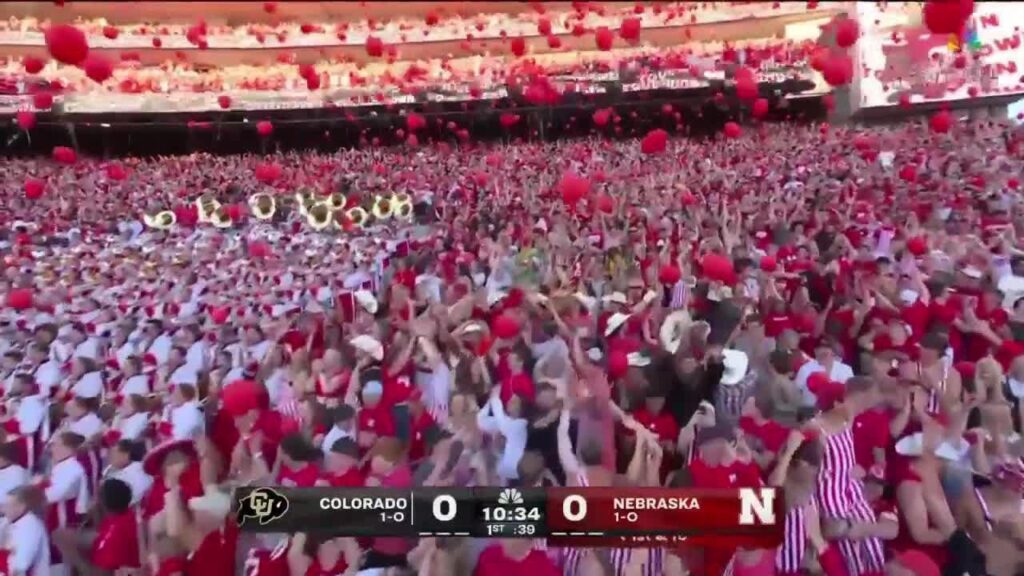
(649, 516)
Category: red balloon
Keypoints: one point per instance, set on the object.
(760, 108)
(224, 101)
(606, 204)
(670, 274)
(98, 68)
(746, 88)
(33, 65)
(26, 119)
(509, 120)
(947, 16)
(42, 101)
(602, 116)
(518, 46)
(838, 70)
(654, 142)
(415, 122)
(718, 268)
(768, 264)
(67, 44)
(34, 188)
(941, 122)
(604, 39)
(630, 29)
(618, 363)
(264, 128)
(574, 188)
(732, 130)
(847, 32)
(505, 327)
(20, 299)
(64, 155)
(374, 46)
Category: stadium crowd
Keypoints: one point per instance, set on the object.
(834, 311)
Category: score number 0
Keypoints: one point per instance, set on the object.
(444, 508)
(574, 508)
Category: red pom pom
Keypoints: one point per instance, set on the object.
(98, 68)
(242, 396)
(768, 264)
(602, 116)
(618, 364)
(34, 188)
(67, 44)
(670, 274)
(554, 42)
(908, 173)
(718, 268)
(33, 65)
(264, 128)
(732, 130)
(157, 43)
(654, 142)
(111, 32)
(505, 327)
(224, 101)
(20, 298)
(847, 32)
(941, 122)
(26, 119)
(918, 246)
(220, 315)
(604, 38)
(544, 27)
(573, 188)
(64, 155)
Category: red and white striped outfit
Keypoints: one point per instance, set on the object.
(840, 495)
(789, 558)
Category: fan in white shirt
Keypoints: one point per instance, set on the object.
(493, 419)
(184, 414)
(131, 420)
(344, 427)
(82, 420)
(89, 385)
(126, 465)
(12, 475)
(25, 538)
(825, 360)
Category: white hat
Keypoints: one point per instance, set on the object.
(736, 365)
(366, 300)
(616, 298)
(673, 329)
(595, 354)
(494, 296)
(723, 293)
(972, 272)
(913, 445)
(615, 322)
(373, 388)
(541, 225)
(471, 328)
(368, 345)
(214, 501)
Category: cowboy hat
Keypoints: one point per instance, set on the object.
(736, 364)
(368, 345)
(615, 322)
(673, 329)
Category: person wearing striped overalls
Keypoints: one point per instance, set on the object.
(848, 516)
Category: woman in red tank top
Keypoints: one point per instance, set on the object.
(313, 556)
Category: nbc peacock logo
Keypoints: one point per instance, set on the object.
(510, 496)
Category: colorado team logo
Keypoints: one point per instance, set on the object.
(262, 504)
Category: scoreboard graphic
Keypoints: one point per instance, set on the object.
(569, 516)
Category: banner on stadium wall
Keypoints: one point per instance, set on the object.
(899, 56)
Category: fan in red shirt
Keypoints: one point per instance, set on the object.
(203, 529)
(245, 414)
(421, 422)
(298, 467)
(653, 416)
(313, 556)
(517, 382)
(375, 419)
(509, 556)
(114, 545)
